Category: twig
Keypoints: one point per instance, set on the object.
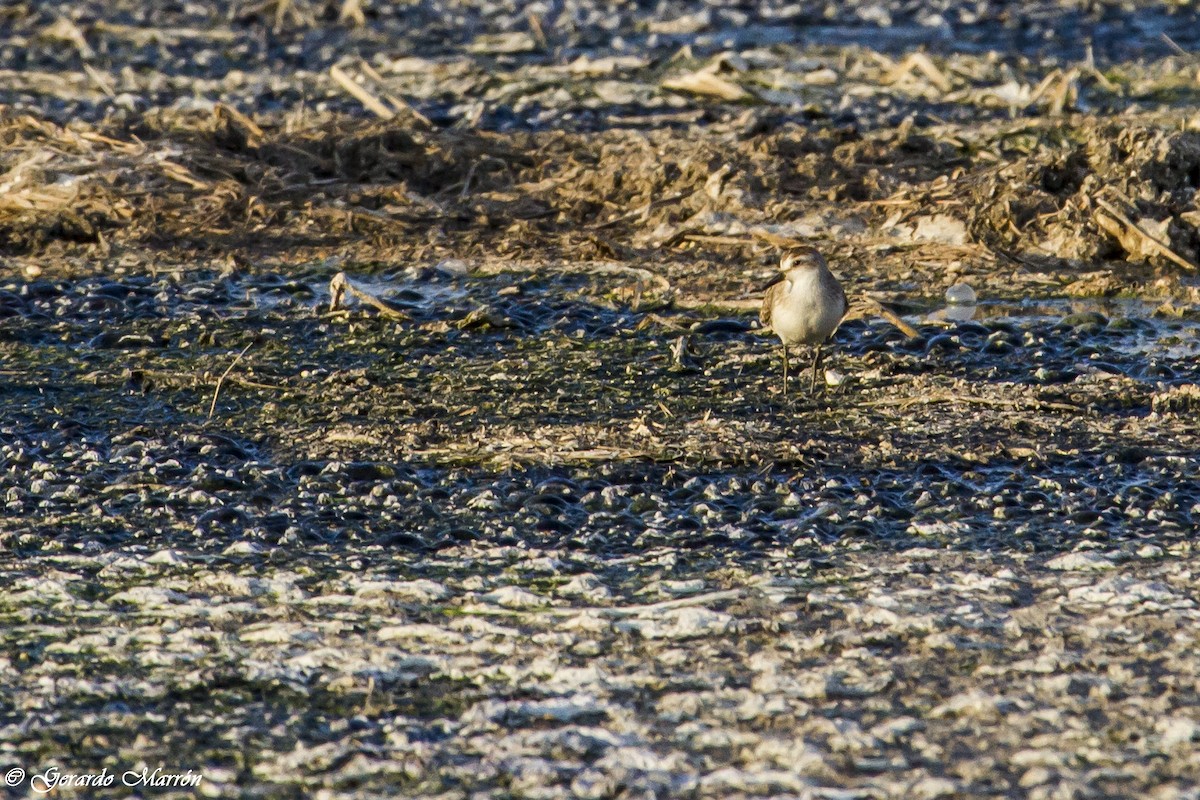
(733, 241)
(340, 286)
(144, 36)
(99, 80)
(655, 319)
(186, 380)
(867, 306)
(637, 212)
(254, 134)
(399, 104)
(115, 144)
(466, 187)
(539, 34)
(64, 30)
(707, 84)
(351, 12)
(775, 239)
(669, 605)
(372, 103)
(749, 304)
(472, 455)
(614, 612)
(643, 275)
(1173, 45)
(946, 397)
(1155, 244)
(217, 391)
(919, 62)
(182, 174)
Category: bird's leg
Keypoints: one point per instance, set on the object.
(785, 360)
(812, 384)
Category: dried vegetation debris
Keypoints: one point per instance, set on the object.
(1105, 191)
(1068, 194)
(896, 136)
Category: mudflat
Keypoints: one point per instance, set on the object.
(544, 525)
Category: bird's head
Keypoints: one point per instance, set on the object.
(801, 258)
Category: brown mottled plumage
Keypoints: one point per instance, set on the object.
(804, 304)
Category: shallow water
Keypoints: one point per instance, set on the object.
(1145, 334)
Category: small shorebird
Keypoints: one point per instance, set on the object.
(804, 304)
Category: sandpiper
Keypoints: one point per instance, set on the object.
(804, 304)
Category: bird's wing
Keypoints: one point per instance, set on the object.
(770, 291)
(764, 312)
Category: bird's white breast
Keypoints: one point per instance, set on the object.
(808, 309)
